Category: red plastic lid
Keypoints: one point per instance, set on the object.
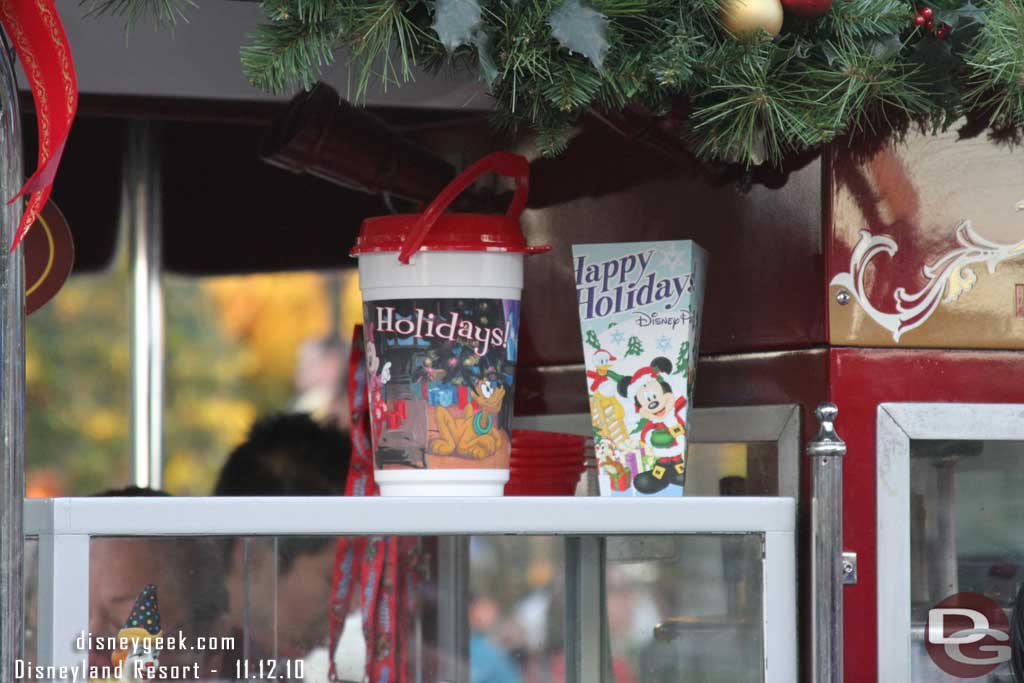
(435, 230)
(451, 232)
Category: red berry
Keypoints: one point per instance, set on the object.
(927, 12)
(919, 20)
(941, 33)
(930, 25)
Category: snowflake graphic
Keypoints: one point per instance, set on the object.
(664, 343)
(673, 258)
(618, 337)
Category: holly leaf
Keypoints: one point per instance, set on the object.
(488, 69)
(959, 18)
(935, 55)
(802, 48)
(832, 54)
(938, 66)
(581, 29)
(886, 49)
(456, 22)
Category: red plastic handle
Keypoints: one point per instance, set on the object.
(502, 163)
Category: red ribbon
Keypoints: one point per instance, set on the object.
(42, 46)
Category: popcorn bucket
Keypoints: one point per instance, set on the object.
(451, 283)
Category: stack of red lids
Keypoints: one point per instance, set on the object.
(545, 463)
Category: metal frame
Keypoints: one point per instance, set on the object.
(587, 653)
(826, 451)
(773, 423)
(453, 608)
(778, 423)
(12, 374)
(62, 524)
(897, 425)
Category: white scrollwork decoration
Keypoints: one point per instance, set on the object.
(949, 278)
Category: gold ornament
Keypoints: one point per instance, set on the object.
(743, 18)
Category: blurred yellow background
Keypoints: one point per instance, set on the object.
(232, 348)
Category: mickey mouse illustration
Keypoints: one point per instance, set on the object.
(378, 377)
(662, 428)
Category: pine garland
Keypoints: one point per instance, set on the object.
(863, 66)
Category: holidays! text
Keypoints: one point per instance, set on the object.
(425, 325)
(621, 284)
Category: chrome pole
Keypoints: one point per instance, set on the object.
(453, 608)
(141, 218)
(826, 451)
(12, 376)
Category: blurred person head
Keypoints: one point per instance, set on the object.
(320, 375)
(484, 613)
(283, 455)
(188, 572)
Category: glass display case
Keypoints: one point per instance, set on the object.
(949, 487)
(513, 589)
(741, 450)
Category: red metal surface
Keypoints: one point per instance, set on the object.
(799, 377)
(860, 380)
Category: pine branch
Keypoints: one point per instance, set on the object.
(858, 19)
(676, 61)
(383, 40)
(861, 66)
(289, 52)
(752, 108)
(552, 140)
(861, 81)
(997, 63)
(164, 12)
(572, 88)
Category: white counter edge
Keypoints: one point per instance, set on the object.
(210, 516)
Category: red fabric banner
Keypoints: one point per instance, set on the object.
(38, 37)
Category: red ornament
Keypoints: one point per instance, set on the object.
(919, 20)
(807, 8)
(927, 12)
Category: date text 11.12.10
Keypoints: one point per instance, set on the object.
(270, 669)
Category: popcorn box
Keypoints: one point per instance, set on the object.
(640, 310)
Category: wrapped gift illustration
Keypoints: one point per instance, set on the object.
(443, 395)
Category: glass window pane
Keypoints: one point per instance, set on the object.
(256, 605)
(965, 536)
(733, 469)
(686, 608)
(677, 607)
(239, 347)
(517, 609)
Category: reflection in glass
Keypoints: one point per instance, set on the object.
(30, 579)
(517, 609)
(965, 532)
(259, 603)
(686, 607)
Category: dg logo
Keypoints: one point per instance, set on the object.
(968, 635)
